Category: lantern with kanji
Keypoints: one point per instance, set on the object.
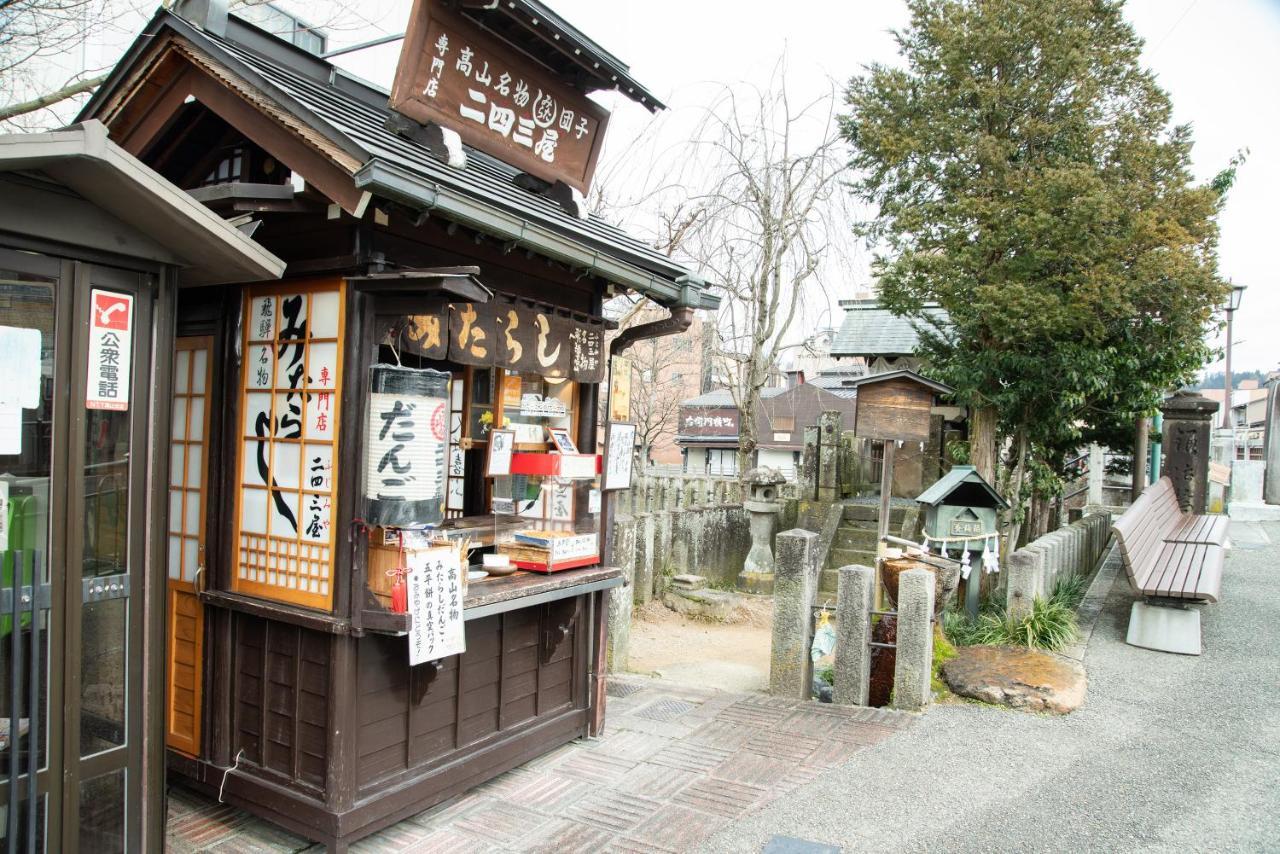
(408, 430)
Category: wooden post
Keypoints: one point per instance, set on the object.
(886, 498)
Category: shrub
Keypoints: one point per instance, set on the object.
(1051, 625)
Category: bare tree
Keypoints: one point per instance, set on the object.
(46, 49)
(773, 229)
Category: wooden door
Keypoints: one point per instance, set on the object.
(188, 492)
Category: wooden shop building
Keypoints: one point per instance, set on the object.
(419, 390)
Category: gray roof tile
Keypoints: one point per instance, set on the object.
(871, 330)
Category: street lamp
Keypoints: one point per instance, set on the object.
(1233, 303)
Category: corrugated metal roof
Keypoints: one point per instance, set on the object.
(352, 114)
(952, 479)
(872, 330)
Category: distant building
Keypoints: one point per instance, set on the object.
(710, 426)
(881, 339)
(1248, 417)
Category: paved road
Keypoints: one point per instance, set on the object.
(1170, 753)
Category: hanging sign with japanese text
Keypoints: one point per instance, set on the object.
(525, 340)
(405, 450)
(435, 594)
(110, 347)
(462, 77)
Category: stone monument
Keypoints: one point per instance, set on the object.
(1188, 423)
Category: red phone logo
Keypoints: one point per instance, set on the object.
(111, 312)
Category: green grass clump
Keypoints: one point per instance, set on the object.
(1051, 625)
(943, 652)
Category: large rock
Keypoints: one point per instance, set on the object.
(1018, 678)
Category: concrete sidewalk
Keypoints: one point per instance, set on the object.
(1170, 753)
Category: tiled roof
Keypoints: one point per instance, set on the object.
(871, 330)
(351, 113)
(721, 397)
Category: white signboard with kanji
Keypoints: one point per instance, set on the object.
(110, 347)
(435, 605)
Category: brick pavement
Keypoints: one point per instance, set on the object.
(674, 765)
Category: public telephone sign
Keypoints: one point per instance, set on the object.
(110, 348)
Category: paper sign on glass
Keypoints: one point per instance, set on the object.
(110, 349)
(501, 445)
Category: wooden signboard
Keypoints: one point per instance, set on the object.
(897, 408)
(620, 389)
(708, 422)
(524, 340)
(461, 77)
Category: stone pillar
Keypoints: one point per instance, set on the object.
(1097, 474)
(829, 455)
(618, 639)
(854, 591)
(1271, 442)
(662, 559)
(1022, 575)
(762, 504)
(913, 665)
(646, 528)
(809, 464)
(1188, 421)
(795, 585)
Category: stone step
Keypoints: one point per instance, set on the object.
(871, 513)
(829, 579)
(851, 537)
(843, 557)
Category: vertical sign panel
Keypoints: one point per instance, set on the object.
(290, 387)
(435, 605)
(110, 346)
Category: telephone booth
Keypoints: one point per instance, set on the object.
(88, 289)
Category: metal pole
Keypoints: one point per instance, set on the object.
(1226, 377)
(1156, 445)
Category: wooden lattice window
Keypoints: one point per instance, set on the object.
(289, 392)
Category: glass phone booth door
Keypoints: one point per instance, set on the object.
(75, 354)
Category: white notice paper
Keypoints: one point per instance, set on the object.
(4, 515)
(110, 350)
(435, 605)
(20, 367)
(10, 430)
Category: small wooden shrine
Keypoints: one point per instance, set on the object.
(414, 404)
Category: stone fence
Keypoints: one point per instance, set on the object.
(1032, 571)
(794, 595)
(654, 490)
(711, 540)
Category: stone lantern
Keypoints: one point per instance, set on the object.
(763, 504)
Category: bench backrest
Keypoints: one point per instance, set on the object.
(1140, 530)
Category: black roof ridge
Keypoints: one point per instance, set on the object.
(247, 44)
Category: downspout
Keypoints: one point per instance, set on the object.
(679, 320)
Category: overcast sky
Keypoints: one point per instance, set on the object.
(1219, 60)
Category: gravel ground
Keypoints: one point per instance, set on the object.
(1170, 753)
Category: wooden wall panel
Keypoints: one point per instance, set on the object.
(517, 669)
(282, 699)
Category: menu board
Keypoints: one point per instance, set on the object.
(436, 628)
(619, 451)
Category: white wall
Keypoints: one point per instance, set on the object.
(783, 461)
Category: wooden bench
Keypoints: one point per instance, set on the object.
(1173, 559)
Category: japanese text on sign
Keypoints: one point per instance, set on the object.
(436, 627)
(110, 349)
(455, 74)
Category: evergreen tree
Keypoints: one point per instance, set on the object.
(1027, 178)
